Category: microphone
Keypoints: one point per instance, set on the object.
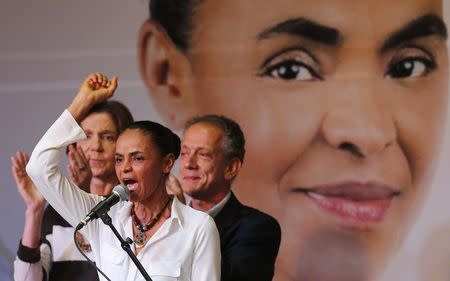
(119, 193)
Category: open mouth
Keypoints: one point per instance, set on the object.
(354, 205)
(131, 184)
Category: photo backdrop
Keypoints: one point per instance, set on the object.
(46, 50)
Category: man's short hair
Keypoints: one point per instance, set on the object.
(234, 140)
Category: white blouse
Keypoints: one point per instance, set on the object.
(186, 247)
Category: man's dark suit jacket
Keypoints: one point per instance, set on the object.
(249, 241)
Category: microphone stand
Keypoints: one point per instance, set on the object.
(125, 245)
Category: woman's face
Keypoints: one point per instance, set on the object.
(139, 164)
(99, 147)
(342, 104)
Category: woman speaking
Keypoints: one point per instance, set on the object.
(171, 240)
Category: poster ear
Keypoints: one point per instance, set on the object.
(166, 72)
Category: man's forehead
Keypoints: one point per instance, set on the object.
(202, 135)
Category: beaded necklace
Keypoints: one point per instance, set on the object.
(139, 238)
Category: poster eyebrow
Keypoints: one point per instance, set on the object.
(427, 25)
(304, 28)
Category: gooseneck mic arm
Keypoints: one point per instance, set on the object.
(125, 245)
(119, 193)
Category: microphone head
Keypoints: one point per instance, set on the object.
(122, 191)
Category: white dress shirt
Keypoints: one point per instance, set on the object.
(219, 206)
(185, 247)
(216, 208)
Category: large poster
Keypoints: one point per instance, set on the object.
(343, 105)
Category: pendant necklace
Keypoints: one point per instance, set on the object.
(139, 238)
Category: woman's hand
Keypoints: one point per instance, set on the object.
(95, 88)
(79, 170)
(34, 201)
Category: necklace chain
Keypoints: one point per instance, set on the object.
(140, 239)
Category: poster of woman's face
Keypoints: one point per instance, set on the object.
(343, 105)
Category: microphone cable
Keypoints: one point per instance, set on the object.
(85, 256)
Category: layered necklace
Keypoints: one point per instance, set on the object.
(139, 238)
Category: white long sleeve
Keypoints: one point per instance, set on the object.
(186, 247)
